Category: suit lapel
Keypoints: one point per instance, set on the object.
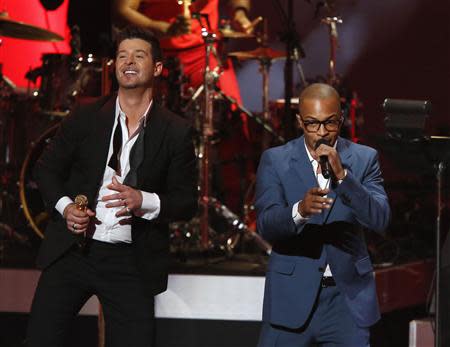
(103, 130)
(154, 134)
(301, 164)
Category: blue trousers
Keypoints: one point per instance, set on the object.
(330, 324)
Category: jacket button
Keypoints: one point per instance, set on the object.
(321, 269)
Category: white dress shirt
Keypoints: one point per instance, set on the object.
(107, 227)
(323, 184)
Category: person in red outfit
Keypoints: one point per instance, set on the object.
(181, 35)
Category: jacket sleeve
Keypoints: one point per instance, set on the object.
(180, 201)
(274, 214)
(367, 197)
(53, 167)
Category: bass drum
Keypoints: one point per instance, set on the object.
(30, 198)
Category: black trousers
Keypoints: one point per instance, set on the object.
(102, 269)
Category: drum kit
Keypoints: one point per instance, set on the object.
(64, 78)
(29, 119)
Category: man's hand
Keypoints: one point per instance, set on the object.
(129, 198)
(314, 202)
(242, 23)
(77, 221)
(181, 25)
(333, 159)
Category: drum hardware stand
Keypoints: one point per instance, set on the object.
(7, 167)
(332, 27)
(207, 131)
(332, 22)
(264, 67)
(209, 89)
(261, 121)
(292, 40)
(240, 227)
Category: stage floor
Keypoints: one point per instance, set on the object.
(217, 302)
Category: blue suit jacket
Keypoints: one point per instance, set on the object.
(334, 237)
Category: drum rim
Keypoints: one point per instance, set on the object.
(23, 199)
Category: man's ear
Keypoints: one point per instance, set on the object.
(158, 68)
(299, 122)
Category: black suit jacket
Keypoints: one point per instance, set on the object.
(74, 163)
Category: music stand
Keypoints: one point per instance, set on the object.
(405, 121)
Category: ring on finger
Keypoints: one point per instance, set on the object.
(74, 226)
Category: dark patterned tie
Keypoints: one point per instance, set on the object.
(117, 147)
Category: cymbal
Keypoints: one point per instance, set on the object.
(232, 34)
(261, 53)
(21, 30)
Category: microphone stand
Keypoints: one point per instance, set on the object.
(440, 168)
(439, 176)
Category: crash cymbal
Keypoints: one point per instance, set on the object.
(261, 53)
(20, 30)
(232, 34)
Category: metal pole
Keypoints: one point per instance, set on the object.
(205, 155)
(288, 80)
(437, 334)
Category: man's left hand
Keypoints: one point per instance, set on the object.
(333, 159)
(242, 23)
(129, 198)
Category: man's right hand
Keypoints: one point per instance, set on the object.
(77, 221)
(314, 202)
(181, 25)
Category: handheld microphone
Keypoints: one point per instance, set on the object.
(323, 159)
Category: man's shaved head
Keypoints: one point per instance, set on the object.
(318, 91)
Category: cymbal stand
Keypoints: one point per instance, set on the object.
(332, 27)
(332, 22)
(209, 82)
(210, 90)
(290, 36)
(264, 67)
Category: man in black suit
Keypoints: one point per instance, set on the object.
(135, 163)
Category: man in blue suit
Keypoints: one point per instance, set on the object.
(314, 197)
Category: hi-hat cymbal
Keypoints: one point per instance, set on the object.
(261, 53)
(20, 30)
(232, 34)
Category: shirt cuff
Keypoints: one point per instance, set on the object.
(151, 205)
(296, 216)
(62, 204)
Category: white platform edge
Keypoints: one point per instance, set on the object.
(187, 297)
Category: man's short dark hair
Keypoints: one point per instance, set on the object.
(134, 32)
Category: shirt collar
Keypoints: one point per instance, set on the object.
(144, 118)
